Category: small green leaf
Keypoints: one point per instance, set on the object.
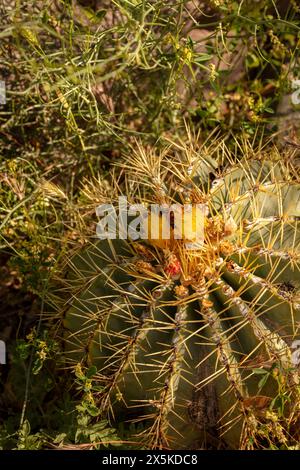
(202, 58)
(263, 381)
(260, 371)
(91, 372)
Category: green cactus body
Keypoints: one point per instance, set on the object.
(177, 351)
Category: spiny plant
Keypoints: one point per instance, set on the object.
(193, 342)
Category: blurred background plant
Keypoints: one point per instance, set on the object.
(83, 80)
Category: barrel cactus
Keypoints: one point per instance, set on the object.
(181, 338)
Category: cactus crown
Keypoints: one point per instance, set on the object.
(177, 334)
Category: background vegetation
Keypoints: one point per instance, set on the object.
(84, 81)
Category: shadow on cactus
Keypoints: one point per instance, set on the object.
(196, 344)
